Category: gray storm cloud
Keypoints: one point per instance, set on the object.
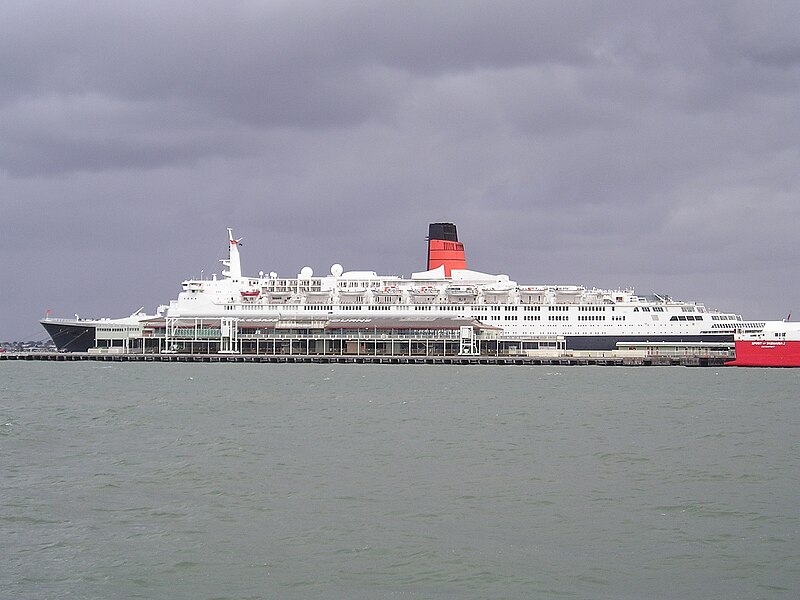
(647, 144)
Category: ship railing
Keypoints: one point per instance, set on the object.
(211, 334)
(365, 335)
(62, 320)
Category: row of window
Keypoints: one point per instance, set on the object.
(471, 308)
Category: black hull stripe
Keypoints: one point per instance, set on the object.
(609, 342)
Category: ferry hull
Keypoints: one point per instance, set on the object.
(767, 353)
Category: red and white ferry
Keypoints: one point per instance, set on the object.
(776, 345)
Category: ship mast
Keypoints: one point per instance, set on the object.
(234, 270)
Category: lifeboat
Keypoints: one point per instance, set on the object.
(318, 297)
(567, 295)
(497, 294)
(391, 290)
(279, 297)
(461, 294)
(532, 295)
(387, 295)
(352, 296)
(424, 295)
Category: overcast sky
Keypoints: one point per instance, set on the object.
(611, 144)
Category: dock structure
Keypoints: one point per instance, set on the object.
(447, 341)
(318, 337)
(610, 361)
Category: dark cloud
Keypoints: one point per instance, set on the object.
(611, 144)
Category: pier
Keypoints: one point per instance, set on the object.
(583, 360)
(432, 341)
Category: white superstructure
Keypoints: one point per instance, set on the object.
(586, 318)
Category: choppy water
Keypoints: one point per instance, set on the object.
(361, 481)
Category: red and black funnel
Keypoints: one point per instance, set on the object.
(444, 248)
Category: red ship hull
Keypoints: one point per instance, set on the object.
(766, 353)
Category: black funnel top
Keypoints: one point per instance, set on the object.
(442, 231)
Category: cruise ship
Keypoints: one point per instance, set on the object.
(446, 291)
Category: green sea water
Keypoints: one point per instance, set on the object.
(134, 480)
